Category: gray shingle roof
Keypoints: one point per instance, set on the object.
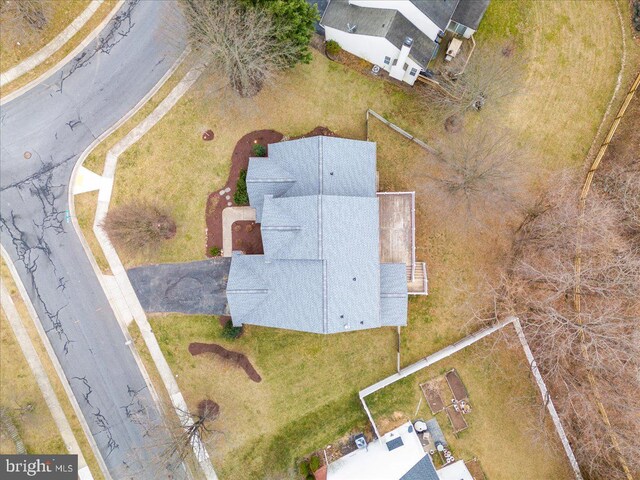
(313, 166)
(470, 12)
(321, 268)
(393, 293)
(379, 22)
(438, 11)
(423, 470)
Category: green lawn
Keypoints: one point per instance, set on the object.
(506, 431)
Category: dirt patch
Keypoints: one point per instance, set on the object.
(240, 161)
(246, 237)
(237, 358)
(457, 387)
(223, 319)
(433, 397)
(386, 424)
(457, 419)
(475, 469)
(208, 409)
(208, 136)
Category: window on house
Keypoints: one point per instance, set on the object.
(405, 66)
(395, 62)
(413, 71)
(387, 60)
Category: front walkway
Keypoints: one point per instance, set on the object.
(230, 215)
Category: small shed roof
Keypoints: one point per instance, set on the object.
(470, 12)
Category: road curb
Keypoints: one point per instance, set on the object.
(90, 38)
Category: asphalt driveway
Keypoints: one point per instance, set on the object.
(193, 288)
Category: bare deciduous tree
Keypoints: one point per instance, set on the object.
(240, 41)
(477, 172)
(21, 18)
(491, 74)
(597, 346)
(622, 185)
(138, 227)
(178, 441)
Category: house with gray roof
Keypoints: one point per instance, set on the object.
(315, 199)
(397, 455)
(400, 36)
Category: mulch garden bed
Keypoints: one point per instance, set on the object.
(246, 237)
(240, 161)
(457, 419)
(433, 397)
(457, 387)
(237, 358)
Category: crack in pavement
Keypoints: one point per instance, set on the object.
(99, 419)
(120, 27)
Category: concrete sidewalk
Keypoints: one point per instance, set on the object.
(50, 48)
(42, 379)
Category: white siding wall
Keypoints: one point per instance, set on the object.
(372, 49)
(468, 32)
(406, 8)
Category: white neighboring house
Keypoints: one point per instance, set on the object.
(398, 455)
(401, 36)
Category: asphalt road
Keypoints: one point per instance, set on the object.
(56, 121)
(192, 287)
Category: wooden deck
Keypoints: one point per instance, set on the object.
(397, 237)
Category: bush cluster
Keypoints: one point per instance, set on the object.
(241, 197)
(230, 332)
(332, 48)
(259, 150)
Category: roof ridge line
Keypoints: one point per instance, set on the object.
(271, 180)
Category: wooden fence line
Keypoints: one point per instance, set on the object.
(595, 165)
(402, 132)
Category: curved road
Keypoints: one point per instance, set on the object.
(56, 121)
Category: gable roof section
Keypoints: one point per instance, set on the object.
(379, 22)
(423, 470)
(422, 48)
(283, 294)
(393, 294)
(470, 12)
(313, 166)
(342, 232)
(438, 11)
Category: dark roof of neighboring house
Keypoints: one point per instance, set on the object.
(422, 48)
(423, 470)
(470, 12)
(438, 11)
(379, 22)
(322, 6)
(316, 202)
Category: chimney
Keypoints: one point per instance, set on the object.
(397, 71)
